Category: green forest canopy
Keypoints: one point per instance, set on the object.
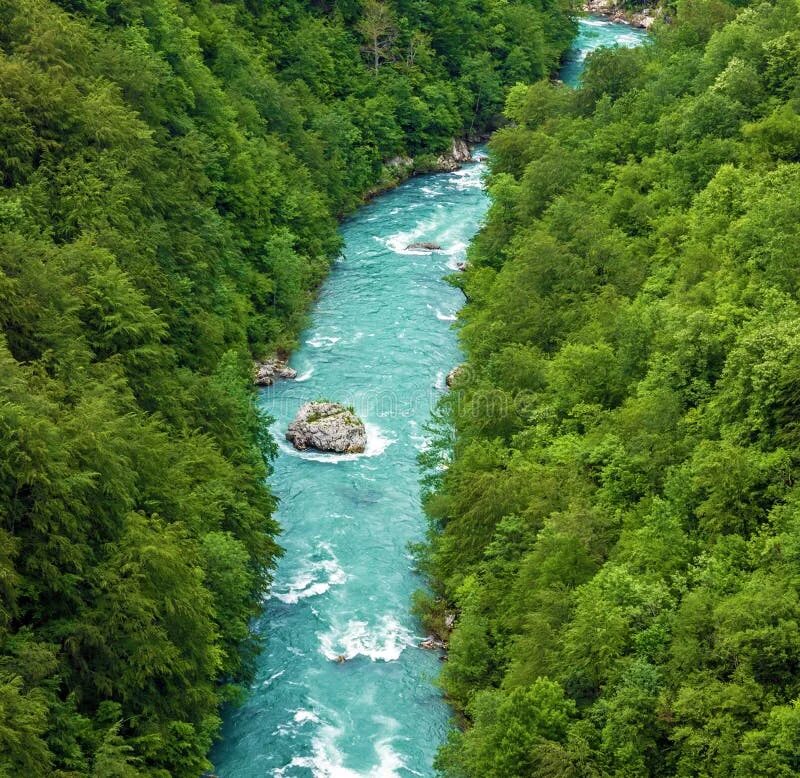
(618, 522)
(171, 177)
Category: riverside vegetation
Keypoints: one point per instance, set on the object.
(171, 177)
(617, 522)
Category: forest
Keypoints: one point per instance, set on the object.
(616, 523)
(172, 174)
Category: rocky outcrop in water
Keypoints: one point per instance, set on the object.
(327, 426)
(424, 246)
(270, 370)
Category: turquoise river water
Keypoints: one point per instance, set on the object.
(382, 340)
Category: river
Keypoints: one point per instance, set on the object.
(382, 340)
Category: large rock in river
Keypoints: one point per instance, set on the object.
(423, 246)
(327, 426)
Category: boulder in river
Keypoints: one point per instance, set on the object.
(327, 426)
(270, 370)
(424, 246)
(433, 643)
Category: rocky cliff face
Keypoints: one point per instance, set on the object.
(458, 155)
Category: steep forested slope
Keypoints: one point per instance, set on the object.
(171, 175)
(618, 522)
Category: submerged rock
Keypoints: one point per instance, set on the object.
(425, 246)
(327, 426)
(270, 370)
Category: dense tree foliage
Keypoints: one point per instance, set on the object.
(617, 522)
(171, 176)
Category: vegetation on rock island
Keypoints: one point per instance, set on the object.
(172, 171)
(618, 520)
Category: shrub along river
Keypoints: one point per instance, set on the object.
(381, 339)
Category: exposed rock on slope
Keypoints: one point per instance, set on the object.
(458, 155)
(452, 376)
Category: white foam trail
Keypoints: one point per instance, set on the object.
(301, 715)
(314, 578)
(327, 760)
(459, 248)
(377, 443)
(421, 231)
(470, 177)
(322, 340)
(421, 442)
(273, 677)
(456, 255)
(305, 375)
(398, 242)
(445, 316)
(383, 643)
(441, 381)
